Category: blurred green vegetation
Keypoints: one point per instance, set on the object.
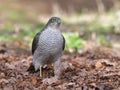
(22, 27)
(73, 40)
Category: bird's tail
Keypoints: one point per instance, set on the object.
(31, 69)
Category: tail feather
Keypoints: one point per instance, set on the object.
(31, 69)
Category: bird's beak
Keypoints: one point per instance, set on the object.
(58, 22)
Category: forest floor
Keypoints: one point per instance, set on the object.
(93, 68)
(97, 68)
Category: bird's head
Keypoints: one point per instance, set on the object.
(54, 22)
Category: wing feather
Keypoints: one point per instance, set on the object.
(35, 42)
(63, 42)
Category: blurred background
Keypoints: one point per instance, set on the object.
(85, 23)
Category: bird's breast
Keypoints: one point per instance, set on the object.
(51, 41)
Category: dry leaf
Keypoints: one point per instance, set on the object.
(98, 64)
(34, 80)
(8, 88)
(49, 81)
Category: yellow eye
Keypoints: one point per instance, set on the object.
(53, 20)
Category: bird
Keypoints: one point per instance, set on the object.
(47, 47)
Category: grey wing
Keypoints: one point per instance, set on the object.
(63, 42)
(31, 69)
(35, 42)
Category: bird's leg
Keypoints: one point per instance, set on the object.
(40, 71)
(57, 68)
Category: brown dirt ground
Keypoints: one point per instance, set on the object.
(93, 69)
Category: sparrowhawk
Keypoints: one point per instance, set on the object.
(47, 46)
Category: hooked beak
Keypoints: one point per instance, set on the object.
(59, 22)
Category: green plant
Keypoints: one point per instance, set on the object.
(73, 41)
(101, 39)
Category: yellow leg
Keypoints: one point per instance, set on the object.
(40, 71)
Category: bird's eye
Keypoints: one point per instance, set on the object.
(53, 20)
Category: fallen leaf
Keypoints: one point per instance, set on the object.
(8, 88)
(4, 81)
(34, 80)
(49, 81)
(2, 74)
(98, 65)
